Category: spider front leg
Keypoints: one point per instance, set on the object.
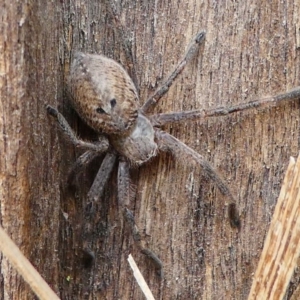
(124, 197)
(92, 207)
(167, 142)
(82, 161)
(163, 89)
(102, 177)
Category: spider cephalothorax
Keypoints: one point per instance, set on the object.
(138, 146)
(106, 99)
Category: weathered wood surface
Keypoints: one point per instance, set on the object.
(24, 268)
(251, 50)
(282, 244)
(29, 161)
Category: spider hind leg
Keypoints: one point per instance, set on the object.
(193, 47)
(99, 147)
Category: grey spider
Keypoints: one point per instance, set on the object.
(105, 97)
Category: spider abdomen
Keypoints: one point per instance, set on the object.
(102, 93)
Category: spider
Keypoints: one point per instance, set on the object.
(105, 97)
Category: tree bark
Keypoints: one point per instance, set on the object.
(30, 77)
(251, 50)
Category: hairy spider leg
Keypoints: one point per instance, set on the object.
(95, 149)
(99, 147)
(163, 89)
(98, 185)
(126, 42)
(82, 161)
(159, 120)
(92, 206)
(97, 188)
(124, 197)
(181, 151)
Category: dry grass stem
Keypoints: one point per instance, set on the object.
(25, 268)
(140, 279)
(282, 245)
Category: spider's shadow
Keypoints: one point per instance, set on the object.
(74, 188)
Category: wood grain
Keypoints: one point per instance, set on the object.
(282, 245)
(250, 51)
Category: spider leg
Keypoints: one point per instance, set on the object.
(167, 142)
(102, 177)
(126, 40)
(81, 161)
(99, 147)
(159, 120)
(92, 207)
(124, 197)
(164, 119)
(163, 89)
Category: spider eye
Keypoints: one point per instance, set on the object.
(100, 110)
(113, 102)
